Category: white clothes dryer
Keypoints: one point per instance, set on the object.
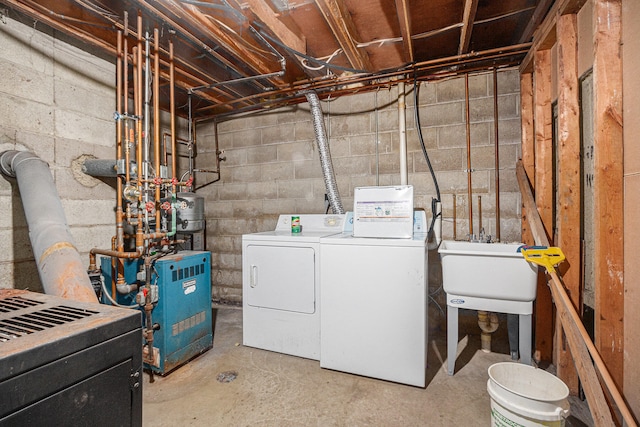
(281, 285)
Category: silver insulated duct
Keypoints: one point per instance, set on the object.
(61, 270)
(325, 155)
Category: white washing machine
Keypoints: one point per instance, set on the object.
(374, 305)
(281, 284)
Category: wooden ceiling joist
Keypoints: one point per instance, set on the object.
(339, 19)
(404, 18)
(289, 37)
(470, 8)
(195, 18)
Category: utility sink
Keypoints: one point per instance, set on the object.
(487, 270)
(488, 277)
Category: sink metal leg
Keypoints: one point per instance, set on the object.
(525, 338)
(452, 338)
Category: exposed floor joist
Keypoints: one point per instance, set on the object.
(343, 28)
(404, 19)
(469, 16)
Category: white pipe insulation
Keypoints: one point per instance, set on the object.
(59, 266)
(402, 127)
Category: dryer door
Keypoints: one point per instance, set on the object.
(280, 277)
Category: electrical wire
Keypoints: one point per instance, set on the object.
(246, 44)
(307, 57)
(326, 59)
(416, 90)
(225, 8)
(107, 293)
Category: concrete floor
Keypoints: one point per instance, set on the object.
(273, 389)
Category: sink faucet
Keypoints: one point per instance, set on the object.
(481, 238)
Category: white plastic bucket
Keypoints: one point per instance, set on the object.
(522, 395)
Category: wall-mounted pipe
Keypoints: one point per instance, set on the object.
(325, 155)
(59, 266)
(469, 183)
(497, 156)
(156, 119)
(402, 128)
(455, 219)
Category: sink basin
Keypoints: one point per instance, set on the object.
(487, 270)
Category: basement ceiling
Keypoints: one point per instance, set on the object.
(233, 56)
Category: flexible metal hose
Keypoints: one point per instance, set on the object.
(325, 155)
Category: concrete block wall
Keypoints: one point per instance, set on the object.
(272, 164)
(58, 102)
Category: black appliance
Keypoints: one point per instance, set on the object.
(68, 363)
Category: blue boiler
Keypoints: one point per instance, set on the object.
(183, 309)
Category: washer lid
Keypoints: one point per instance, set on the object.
(417, 240)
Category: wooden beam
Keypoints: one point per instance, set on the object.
(292, 38)
(545, 35)
(258, 63)
(544, 193)
(577, 336)
(528, 143)
(608, 185)
(569, 184)
(469, 16)
(339, 19)
(536, 18)
(404, 18)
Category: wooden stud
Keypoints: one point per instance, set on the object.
(528, 143)
(608, 185)
(469, 15)
(339, 19)
(544, 194)
(545, 35)
(587, 358)
(569, 184)
(538, 14)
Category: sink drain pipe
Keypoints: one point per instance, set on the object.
(59, 266)
(325, 155)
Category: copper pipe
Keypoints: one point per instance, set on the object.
(469, 184)
(497, 157)
(127, 131)
(156, 119)
(139, 233)
(119, 226)
(491, 54)
(172, 106)
(121, 254)
(479, 214)
(455, 225)
(116, 254)
(117, 242)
